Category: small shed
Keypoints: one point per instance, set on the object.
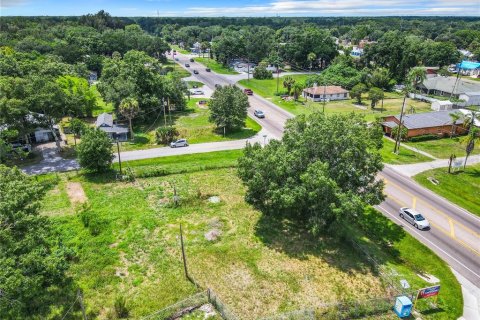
(440, 105)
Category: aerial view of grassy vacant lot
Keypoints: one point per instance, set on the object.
(444, 147)
(126, 239)
(392, 103)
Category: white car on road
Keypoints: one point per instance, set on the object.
(415, 218)
(196, 92)
(179, 143)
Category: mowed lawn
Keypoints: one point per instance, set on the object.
(215, 66)
(127, 244)
(392, 103)
(192, 124)
(461, 188)
(444, 147)
(404, 156)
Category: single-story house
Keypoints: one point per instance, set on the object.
(444, 86)
(115, 132)
(417, 124)
(470, 98)
(356, 52)
(328, 93)
(439, 105)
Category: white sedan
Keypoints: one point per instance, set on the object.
(415, 218)
(179, 143)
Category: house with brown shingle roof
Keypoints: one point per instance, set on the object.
(325, 93)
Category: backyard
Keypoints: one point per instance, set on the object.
(444, 147)
(127, 245)
(392, 103)
(461, 188)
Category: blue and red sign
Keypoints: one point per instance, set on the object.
(428, 292)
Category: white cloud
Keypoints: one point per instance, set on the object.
(344, 8)
(12, 3)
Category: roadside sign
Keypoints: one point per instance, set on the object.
(428, 292)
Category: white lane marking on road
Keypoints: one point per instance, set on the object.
(433, 244)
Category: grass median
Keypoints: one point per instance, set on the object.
(461, 188)
(215, 66)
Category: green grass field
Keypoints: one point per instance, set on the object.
(392, 102)
(192, 124)
(461, 188)
(403, 157)
(215, 66)
(178, 49)
(126, 244)
(443, 148)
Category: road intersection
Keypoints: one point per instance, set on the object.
(455, 233)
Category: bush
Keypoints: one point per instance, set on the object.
(92, 221)
(261, 73)
(425, 137)
(120, 306)
(165, 135)
(95, 151)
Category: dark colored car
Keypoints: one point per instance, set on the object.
(191, 60)
(217, 85)
(208, 70)
(187, 65)
(195, 71)
(248, 92)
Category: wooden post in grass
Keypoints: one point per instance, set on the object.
(183, 254)
(80, 299)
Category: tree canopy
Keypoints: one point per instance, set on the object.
(228, 108)
(321, 172)
(33, 263)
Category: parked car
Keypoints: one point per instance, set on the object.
(208, 70)
(259, 114)
(202, 102)
(191, 60)
(414, 218)
(176, 59)
(248, 92)
(179, 143)
(196, 91)
(195, 71)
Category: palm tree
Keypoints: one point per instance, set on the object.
(129, 108)
(454, 116)
(288, 82)
(311, 57)
(297, 89)
(414, 77)
(469, 141)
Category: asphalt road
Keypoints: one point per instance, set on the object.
(455, 233)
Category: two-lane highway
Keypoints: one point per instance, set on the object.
(455, 233)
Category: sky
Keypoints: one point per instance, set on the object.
(256, 8)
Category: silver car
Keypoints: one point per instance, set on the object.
(415, 218)
(179, 143)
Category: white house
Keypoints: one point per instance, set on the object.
(115, 132)
(356, 52)
(327, 93)
(470, 98)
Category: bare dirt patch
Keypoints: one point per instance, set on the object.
(75, 193)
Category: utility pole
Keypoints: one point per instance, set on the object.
(399, 133)
(164, 112)
(324, 95)
(80, 298)
(183, 254)
(119, 160)
(278, 76)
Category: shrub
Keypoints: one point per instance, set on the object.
(261, 73)
(92, 221)
(425, 137)
(165, 135)
(95, 151)
(120, 306)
